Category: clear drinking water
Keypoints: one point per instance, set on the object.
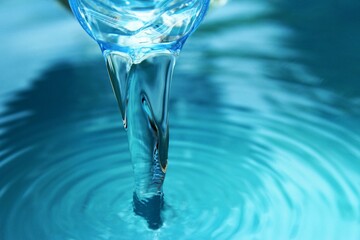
(140, 40)
(265, 128)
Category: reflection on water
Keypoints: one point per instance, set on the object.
(265, 136)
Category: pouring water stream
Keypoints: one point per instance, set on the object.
(140, 41)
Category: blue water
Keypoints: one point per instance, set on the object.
(264, 117)
(140, 41)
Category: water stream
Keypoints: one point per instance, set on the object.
(264, 114)
(140, 41)
(142, 91)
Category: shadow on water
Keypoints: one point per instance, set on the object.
(326, 38)
(62, 94)
(43, 123)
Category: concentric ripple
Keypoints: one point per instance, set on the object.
(260, 148)
(234, 172)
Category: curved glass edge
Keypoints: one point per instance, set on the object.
(74, 6)
(137, 54)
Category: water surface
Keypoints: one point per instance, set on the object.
(264, 117)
